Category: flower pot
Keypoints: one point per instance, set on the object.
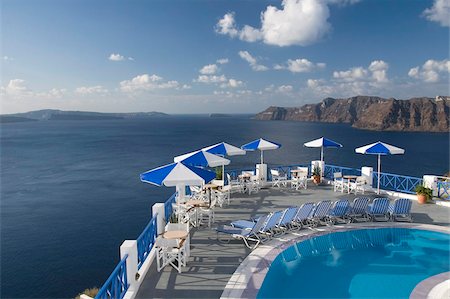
(316, 179)
(422, 198)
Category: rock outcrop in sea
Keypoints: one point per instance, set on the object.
(371, 113)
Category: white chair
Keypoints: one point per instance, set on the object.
(208, 212)
(338, 182)
(170, 252)
(278, 180)
(254, 185)
(184, 227)
(223, 195)
(235, 184)
(359, 185)
(301, 179)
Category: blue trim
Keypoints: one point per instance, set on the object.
(443, 190)
(116, 285)
(395, 182)
(146, 240)
(168, 209)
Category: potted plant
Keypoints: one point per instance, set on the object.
(316, 174)
(424, 194)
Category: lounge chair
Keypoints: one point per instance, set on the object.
(245, 235)
(270, 228)
(400, 209)
(359, 209)
(339, 212)
(302, 216)
(320, 212)
(285, 223)
(378, 210)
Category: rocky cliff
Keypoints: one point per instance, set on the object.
(371, 113)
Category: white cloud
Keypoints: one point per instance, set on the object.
(222, 61)
(146, 82)
(233, 83)
(16, 87)
(439, 12)
(252, 61)
(285, 88)
(211, 79)
(89, 90)
(379, 69)
(355, 73)
(298, 22)
(209, 69)
(430, 70)
(116, 57)
(300, 65)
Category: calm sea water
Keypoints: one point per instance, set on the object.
(70, 190)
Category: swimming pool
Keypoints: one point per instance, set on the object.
(363, 263)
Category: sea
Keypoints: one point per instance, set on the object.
(71, 194)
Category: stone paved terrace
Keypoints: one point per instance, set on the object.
(212, 263)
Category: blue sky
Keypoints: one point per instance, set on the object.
(218, 56)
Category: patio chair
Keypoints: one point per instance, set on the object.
(338, 182)
(170, 252)
(302, 216)
(254, 185)
(235, 185)
(358, 186)
(320, 212)
(359, 209)
(278, 179)
(378, 210)
(301, 180)
(221, 197)
(244, 234)
(339, 212)
(208, 212)
(400, 209)
(184, 227)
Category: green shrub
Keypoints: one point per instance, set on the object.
(420, 189)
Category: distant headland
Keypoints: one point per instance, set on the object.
(55, 115)
(371, 113)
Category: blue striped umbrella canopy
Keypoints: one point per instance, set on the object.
(224, 149)
(322, 142)
(177, 174)
(381, 149)
(202, 158)
(262, 145)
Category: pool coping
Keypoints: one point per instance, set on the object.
(249, 276)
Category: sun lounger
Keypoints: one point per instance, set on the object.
(339, 212)
(378, 210)
(302, 216)
(359, 209)
(320, 212)
(245, 235)
(400, 209)
(285, 223)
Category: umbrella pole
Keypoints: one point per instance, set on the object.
(379, 170)
(321, 154)
(262, 157)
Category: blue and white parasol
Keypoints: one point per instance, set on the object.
(381, 149)
(262, 145)
(224, 149)
(202, 158)
(322, 142)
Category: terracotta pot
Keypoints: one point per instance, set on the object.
(421, 198)
(316, 179)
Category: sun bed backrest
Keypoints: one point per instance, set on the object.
(360, 205)
(289, 215)
(401, 206)
(273, 220)
(322, 209)
(341, 207)
(304, 211)
(259, 224)
(380, 206)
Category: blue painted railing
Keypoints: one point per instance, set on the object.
(395, 182)
(168, 207)
(331, 169)
(117, 284)
(146, 240)
(443, 190)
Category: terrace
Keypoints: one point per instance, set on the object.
(212, 263)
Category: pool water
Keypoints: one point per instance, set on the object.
(366, 263)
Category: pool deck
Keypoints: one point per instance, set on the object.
(212, 264)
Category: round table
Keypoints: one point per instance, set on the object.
(175, 234)
(349, 177)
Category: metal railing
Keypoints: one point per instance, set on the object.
(146, 240)
(443, 189)
(168, 207)
(117, 284)
(395, 182)
(331, 169)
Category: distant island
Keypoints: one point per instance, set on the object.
(371, 113)
(57, 115)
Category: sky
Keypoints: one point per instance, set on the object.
(194, 56)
